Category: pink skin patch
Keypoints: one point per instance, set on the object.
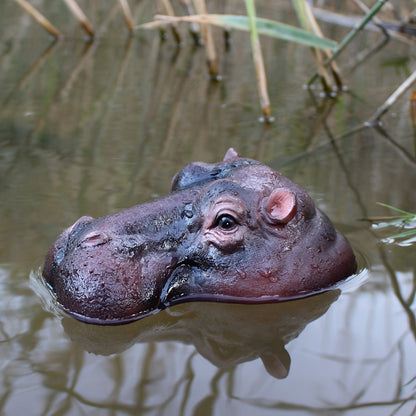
(280, 206)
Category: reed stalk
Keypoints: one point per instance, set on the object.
(367, 18)
(42, 20)
(193, 27)
(82, 18)
(211, 54)
(258, 62)
(309, 23)
(169, 10)
(393, 98)
(127, 15)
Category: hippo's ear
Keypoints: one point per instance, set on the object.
(279, 207)
(230, 155)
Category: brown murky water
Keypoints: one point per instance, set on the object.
(89, 128)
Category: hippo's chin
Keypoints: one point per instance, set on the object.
(110, 321)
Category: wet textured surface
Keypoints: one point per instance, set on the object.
(89, 129)
(241, 211)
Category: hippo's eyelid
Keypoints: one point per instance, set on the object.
(236, 215)
(232, 205)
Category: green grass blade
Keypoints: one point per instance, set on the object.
(397, 222)
(275, 29)
(264, 26)
(396, 209)
(404, 234)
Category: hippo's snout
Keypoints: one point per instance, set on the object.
(100, 274)
(57, 252)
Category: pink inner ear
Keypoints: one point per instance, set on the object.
(280, 207)
(231, 154)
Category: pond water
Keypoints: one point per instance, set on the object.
(90, 128)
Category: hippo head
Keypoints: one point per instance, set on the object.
(234, 231)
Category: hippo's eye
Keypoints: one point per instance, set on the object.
(226, 222)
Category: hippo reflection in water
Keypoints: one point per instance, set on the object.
(233, 231)
(225, 334)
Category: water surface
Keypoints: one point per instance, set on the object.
(90, 128)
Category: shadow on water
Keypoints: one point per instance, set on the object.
(90, 128)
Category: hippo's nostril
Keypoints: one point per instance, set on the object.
(95, 238)
(75, 230)
(79, 224)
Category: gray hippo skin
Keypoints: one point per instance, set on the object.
(234, 231)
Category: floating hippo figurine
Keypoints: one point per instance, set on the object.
(234, 231)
